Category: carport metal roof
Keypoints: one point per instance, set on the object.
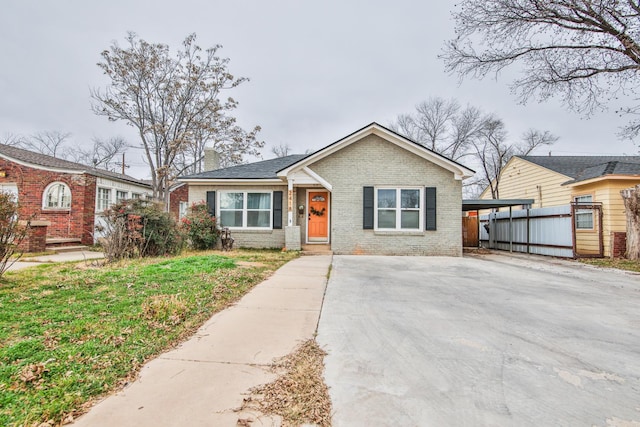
(478, 204)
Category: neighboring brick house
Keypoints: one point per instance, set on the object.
(372, 192)
(68, 197)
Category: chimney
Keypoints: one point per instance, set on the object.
(211, 159)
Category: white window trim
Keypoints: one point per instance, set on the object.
(126, 197)
(244, 209)
(579, 211)
(398, 209)
(98, 199)
(45, 194)
(183, 209)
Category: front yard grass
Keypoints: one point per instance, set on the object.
(619, 263)
(70, 333)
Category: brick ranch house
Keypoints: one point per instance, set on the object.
(64, 198)
(371, 192)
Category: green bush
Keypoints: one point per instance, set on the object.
(139, 228)
(200, 228)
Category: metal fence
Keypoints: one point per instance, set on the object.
(543, 231)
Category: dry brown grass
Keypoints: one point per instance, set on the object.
(299, 395)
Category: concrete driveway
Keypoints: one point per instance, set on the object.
(481, 341)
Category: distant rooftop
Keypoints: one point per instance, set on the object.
(582, 168)
(38, 159)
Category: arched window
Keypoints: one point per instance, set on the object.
(57, 195)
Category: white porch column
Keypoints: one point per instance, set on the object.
(290, 202)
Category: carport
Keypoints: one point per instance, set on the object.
(471, 205)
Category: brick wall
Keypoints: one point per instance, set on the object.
(76, 222)
(618, 244)
(180, 194)
(374, 162)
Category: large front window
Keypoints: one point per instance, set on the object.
(57, 196)
(584, 217)
(398, 209)
(245, 209)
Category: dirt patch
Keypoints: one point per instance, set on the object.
(299, 395)
(246, 264)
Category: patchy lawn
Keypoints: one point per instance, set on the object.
(70, 333)
(619, 263)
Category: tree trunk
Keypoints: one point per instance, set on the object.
(631, 198)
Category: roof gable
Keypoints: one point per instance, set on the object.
(388, 135)
(42, 161)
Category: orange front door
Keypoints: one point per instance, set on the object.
(318, 216)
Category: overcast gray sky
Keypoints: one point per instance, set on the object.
(318, 70)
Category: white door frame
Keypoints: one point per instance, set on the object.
(306, 216)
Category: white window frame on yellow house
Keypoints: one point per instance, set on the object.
(581, 214)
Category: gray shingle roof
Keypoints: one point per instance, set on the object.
(581, 168)
(38, 159)
(265, 169)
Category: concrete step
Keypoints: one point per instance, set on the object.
(67, 248)
(316, 250)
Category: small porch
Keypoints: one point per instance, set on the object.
(308, 211)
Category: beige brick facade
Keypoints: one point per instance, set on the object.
(370, 161)
(246, 238)
(374, 162)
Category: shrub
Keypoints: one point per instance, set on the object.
(200, 228)
(12, 232)
(139, 228)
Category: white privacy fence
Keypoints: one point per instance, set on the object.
(543, 231)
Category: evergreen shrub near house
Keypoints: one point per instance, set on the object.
(200, 228)
(12, 232)
(139, 228)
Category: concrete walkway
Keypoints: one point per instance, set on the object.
(26, 262)
(204, 381)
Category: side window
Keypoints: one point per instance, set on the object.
(183, 207)
(57, 195)
(104, 198)
(121, 195)
(584, 217)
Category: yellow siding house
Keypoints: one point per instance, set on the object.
(593, 181)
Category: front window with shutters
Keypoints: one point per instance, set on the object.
(398, 209)
(244, 209)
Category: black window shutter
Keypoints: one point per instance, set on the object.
(211, 202)
(277, 210)
(367, 208)
(430, 208)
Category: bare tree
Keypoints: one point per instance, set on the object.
(587, 52)
(494, 151)
(50, 142)
(583, 51)
(12, 139)
(174, 103)
(441, 125)
(102, 153)
(281, 150)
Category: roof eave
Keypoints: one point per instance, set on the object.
(613, 177)
(232, 181)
